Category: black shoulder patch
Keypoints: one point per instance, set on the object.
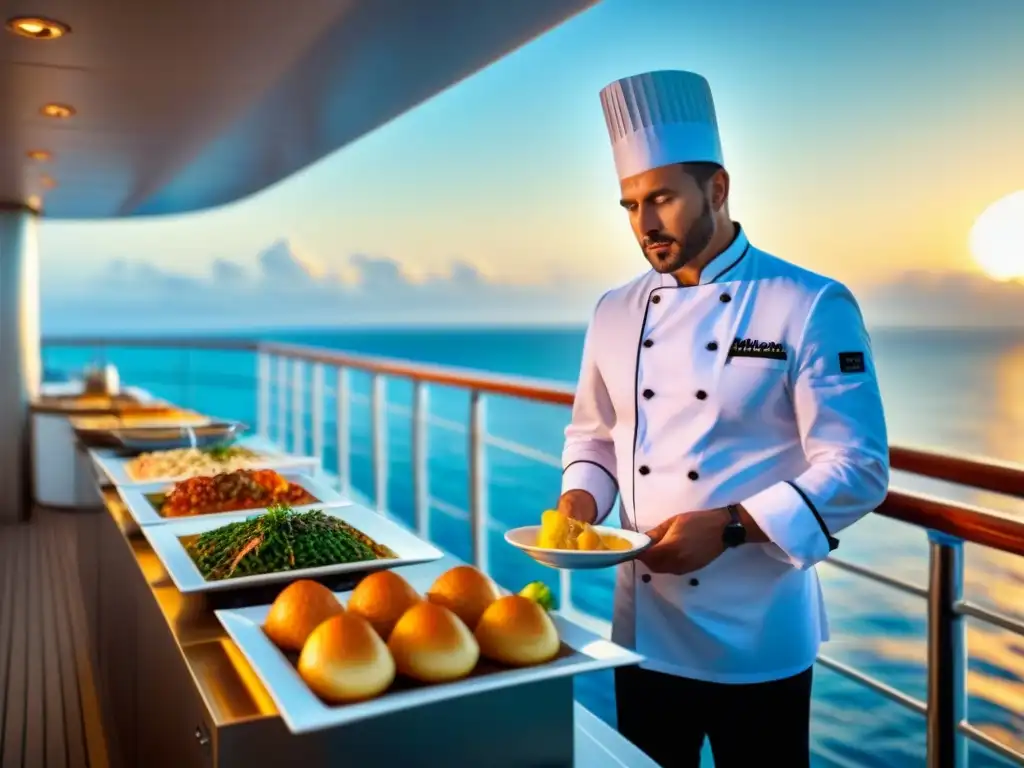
(851, 362)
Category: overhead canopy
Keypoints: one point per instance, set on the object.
(182, 105)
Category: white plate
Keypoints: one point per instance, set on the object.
(115, 466)
(525, 539)
(186, 576)
(303, 711)
(145, 514)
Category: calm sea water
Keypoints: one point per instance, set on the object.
(953, 390)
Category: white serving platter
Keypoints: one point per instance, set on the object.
(145, 514)
(303, 711)
(525, 539)
(116, 466)
(165, 541)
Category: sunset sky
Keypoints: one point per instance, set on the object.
(863, 140)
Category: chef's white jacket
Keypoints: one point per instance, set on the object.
(755, 387)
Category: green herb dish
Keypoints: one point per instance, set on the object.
(280, 540)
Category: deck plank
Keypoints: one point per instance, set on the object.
(14, 704)
(55, 730)
(9, 570)
(49, 715)
(74, 743)
(89, 721)
(36, 659)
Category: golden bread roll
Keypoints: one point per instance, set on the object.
(345, 660)
(381, 598)
(299, 609)
(465, 591)
(516, 631)
(431, 644)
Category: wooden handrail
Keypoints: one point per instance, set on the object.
(982, 473)
(963, 521)
(507, 386)
(969, 523)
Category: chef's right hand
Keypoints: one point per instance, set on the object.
(579, 505)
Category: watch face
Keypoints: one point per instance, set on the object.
(734, 535)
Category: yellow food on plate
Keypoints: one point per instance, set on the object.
(299, 609)
(345, 660)
(559, 531)
(465, 591)
(381, 598)
(517, 631)
(432, 645)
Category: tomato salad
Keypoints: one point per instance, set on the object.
(230, 491)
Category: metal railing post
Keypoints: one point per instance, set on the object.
(478, 511)
(378, 408)
(263, 374)
(420, 452)
(298, 411)
(282, 402)
(316, 411)
(343, 436)
(947, 653)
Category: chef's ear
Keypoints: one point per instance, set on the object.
(718, 189)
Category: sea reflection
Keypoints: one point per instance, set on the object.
(881, 630)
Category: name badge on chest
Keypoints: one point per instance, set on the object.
(768, 350)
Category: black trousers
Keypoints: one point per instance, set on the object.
(749, 725)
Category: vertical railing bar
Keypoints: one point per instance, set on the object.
(378, 407)
(478, 509)
(343, 435)
(263, 374)
(565, 591)
(420, 457)
(298, 409)
(947, 653)
(282, 402)
(316, 410)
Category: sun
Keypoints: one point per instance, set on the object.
(997, 238)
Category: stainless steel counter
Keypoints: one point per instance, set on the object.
(177, 692)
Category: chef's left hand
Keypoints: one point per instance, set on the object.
(686, 543)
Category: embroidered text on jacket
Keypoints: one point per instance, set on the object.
(754, 348)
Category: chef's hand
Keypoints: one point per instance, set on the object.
(579, 505)
(686, 543)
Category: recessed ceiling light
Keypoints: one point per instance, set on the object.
(48, 182)
(39, 154)
(37, 28)
(57, 110)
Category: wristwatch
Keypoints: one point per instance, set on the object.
(734, 533)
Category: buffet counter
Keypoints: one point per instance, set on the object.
(54, 414)
(177, 692)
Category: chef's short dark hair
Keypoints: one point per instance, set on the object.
(701, 172)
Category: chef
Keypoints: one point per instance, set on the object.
(729, 399)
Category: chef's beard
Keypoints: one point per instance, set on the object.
(697, 239)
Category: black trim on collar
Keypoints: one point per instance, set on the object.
(729, 268)
(833, 542)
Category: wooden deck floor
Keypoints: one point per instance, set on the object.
(49, 716)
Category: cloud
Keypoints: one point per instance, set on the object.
(286, 287)
(945, 300)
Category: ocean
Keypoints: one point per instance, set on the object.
(959, 391)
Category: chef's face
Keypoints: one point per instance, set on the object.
(672, 212)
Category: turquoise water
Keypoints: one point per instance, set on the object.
(957, 391)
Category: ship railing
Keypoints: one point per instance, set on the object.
(289, 395)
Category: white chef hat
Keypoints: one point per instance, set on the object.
(660, 118)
